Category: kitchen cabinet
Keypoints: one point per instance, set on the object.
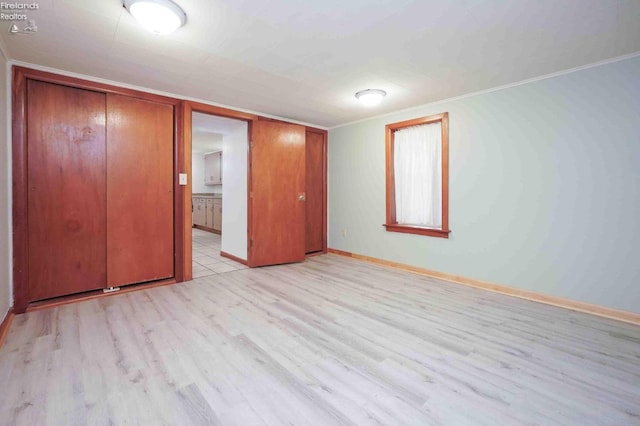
(207, 213)
(217, 215)
(199, 212)
(213, 168)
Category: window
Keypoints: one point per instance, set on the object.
(418, 176)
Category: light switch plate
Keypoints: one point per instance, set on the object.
(182, 179)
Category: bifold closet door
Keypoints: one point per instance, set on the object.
(139, 190)
(66, 190)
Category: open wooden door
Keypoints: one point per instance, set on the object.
(277, 193)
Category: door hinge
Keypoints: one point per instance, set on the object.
(251, 242)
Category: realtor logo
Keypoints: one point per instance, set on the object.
(17, 13)
(29, 28)
(19, 6)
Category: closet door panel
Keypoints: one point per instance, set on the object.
(314, 175)
(139, 190)
(66, 190)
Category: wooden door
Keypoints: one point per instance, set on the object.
(277, 193)
(315, 178)
(139, 190)
(66, 190)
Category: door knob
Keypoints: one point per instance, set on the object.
(301, 197)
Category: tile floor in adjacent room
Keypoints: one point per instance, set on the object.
(206, 255)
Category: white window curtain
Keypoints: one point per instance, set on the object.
(418, 175)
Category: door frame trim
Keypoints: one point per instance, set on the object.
(20, 75)
(187, 108)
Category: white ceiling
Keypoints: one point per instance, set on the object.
(213, 124)
(208, 131)
(205, 142)
(305, 59)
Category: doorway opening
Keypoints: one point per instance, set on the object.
(219, 194)
(266, 219)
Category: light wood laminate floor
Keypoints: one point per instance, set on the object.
(329, 341)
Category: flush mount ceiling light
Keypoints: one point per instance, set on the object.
(371, 97)
(157, 16)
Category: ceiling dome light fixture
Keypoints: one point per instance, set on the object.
(371, 97)
(157, 16)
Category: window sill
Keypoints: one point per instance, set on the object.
(407, 229)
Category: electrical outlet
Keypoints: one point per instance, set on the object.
(344, 232)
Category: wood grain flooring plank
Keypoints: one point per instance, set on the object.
(194, 407)
(329, 341)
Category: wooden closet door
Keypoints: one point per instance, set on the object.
(139, 190)
(66, 183)
(314, 176)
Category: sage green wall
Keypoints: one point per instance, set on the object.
(6, 297)
(544, 188)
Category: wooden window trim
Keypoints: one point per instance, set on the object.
(391, 224)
